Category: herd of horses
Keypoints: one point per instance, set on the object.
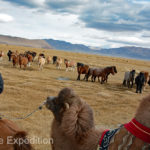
(140, 80)
(129, 77)
(25, 59)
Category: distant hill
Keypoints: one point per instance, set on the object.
(62, 45)
(128, 52)
(37, 43)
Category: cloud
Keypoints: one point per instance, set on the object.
(118, 16)
(5, 18)
(27, 3)
(100, 23)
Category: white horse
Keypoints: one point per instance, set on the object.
(129, 77)
(41, 62)
(59, 63)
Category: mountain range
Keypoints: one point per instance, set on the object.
(127, 52)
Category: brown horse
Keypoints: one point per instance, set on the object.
(146, 75)
(15, 59)
(70, 64)
(103, 73)
(30, 59)
(82, 69)
(110, 70)
(23, 61)
(90, 73)
(12, 138)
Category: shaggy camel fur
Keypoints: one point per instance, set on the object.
(73, 126)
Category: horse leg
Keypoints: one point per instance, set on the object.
(124, 82)
(94, 78)
(132, 84)
(137, 88)
(106, 78)
(78, 78)
(98, 79)
(87, 77)
(128, 83)
(84, 77)
(101, 80)
(140, 88)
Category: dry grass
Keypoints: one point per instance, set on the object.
(26, 89)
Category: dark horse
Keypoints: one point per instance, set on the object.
(103, 73)
(139, 81)
(82, 69)
(9, 55)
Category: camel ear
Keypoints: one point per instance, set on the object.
(67, 106)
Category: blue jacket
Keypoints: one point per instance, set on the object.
(1, 84)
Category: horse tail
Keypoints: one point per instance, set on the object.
(21, 142)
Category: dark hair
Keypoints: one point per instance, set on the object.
(1, 84)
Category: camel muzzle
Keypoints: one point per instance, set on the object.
(49, 101)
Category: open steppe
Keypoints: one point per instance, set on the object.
(25, 90)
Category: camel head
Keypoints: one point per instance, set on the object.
(143, 112)
(57, 105)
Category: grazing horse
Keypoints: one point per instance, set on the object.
(41, 62)
(23, 61)
(103, 73)
(129, 77)
(82, 69)
(69, 64)
(139, 81)
(12, 138)
(59, 63)
(9, 55)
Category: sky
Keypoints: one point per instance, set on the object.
(95, 23)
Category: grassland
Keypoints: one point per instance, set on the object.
(25, 90)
